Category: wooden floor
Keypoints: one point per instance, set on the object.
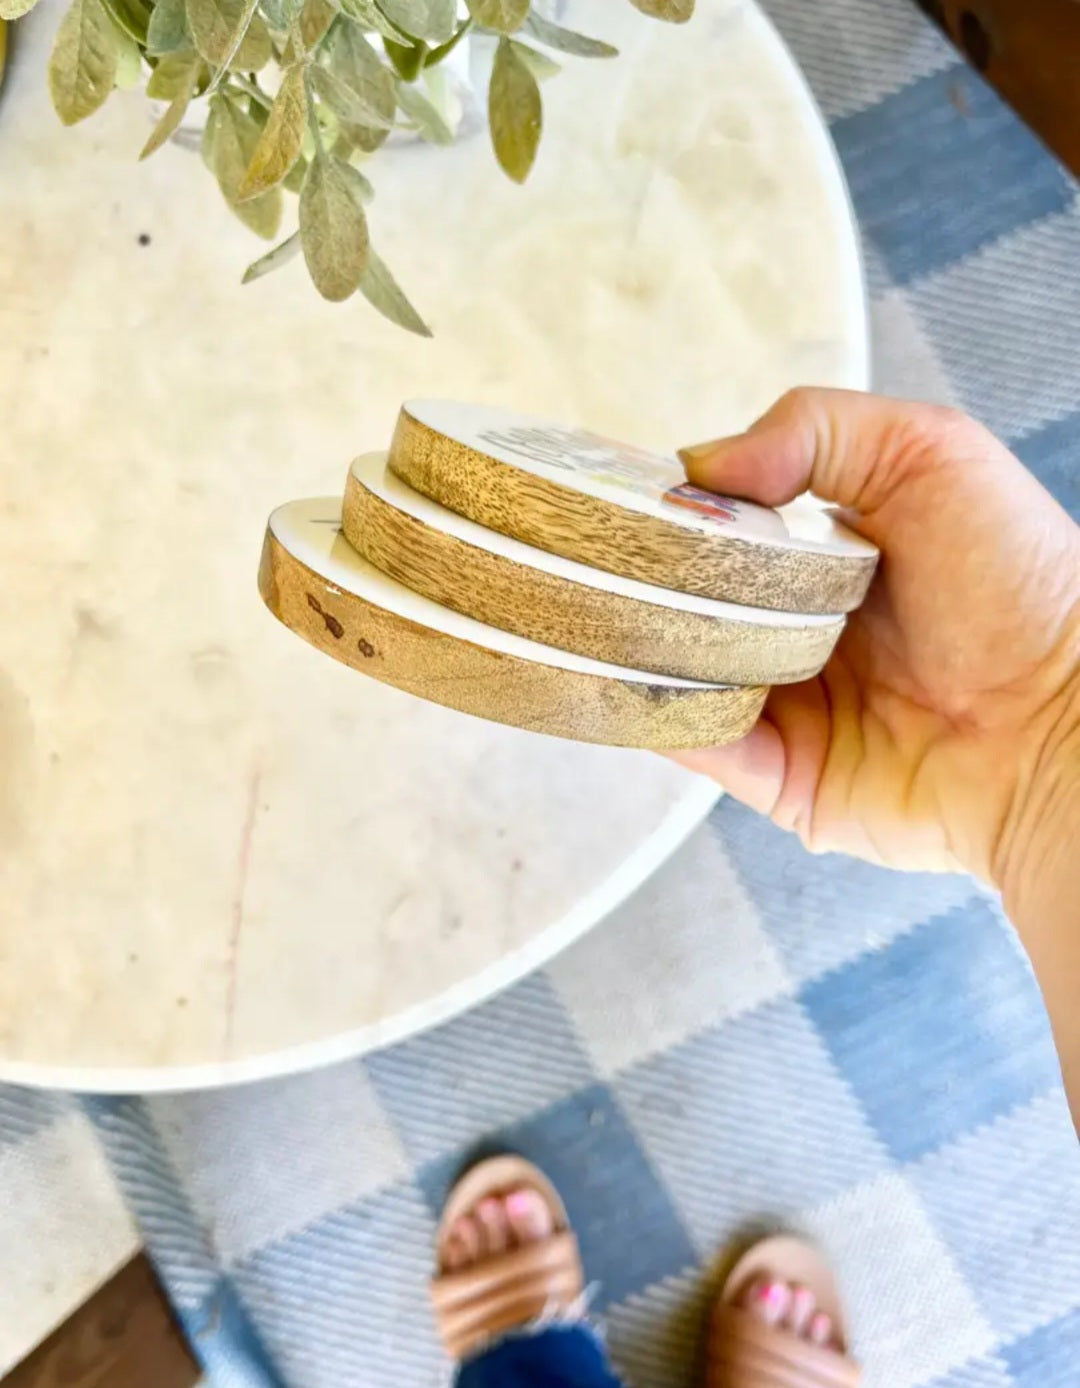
(125, 1337)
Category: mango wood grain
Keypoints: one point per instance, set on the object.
(494, 685)
(575, 616)
(566, 521)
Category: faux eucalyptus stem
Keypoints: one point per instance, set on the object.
(348, 72)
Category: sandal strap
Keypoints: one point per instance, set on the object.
(507, 1290)
(744, 1352)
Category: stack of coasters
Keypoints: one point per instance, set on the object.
(552, 579)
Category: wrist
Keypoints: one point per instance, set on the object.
(1038, 853)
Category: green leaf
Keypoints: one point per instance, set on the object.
(82, 68)
(364, 189)
(229, 146)
(279, 14)
(383, 292)
(424, 116)
(273, 260)
(333, 228)
(131, 17)
(407, 58)
(128, 62)
(504, 16)
(368, 15)
(294, 179)
(175, 73)
(355, 63)
(168, 31)
(674, 11)
(352, 105)
(278, 146)
(444, 50)
(167, 125)
(539, 64)
(566, 41)
(514, 112)
(228, 33)
(15, 9)
(431, 20)
(365, 137)
(315, 20)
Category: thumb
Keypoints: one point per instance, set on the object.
(844, 446)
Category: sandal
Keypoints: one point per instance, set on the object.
(476, 1304)
(746, 1352)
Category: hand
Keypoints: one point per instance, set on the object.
(934, 737)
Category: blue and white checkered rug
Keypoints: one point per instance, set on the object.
(758, 1036)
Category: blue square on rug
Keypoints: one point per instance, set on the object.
(942, 1031)
(1053, 455)
(941, 168)
(820, 910)
(1049, 1357)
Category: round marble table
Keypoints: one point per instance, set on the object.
(222, 855)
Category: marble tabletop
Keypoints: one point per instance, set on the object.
(221, 854)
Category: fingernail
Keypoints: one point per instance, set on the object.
(697, 452)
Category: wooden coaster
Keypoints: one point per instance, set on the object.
(630, 512)
(541, 596)
(316, 583)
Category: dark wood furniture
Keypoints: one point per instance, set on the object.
(123, 1337)
(1030, 51)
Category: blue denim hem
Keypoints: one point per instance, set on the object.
(545, 1355)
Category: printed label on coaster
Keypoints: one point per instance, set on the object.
(656, 481)
(625, 475)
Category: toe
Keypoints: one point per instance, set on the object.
(820, 1329)
(491, 1220)
(768, 1299)
(528, 1216)
(463, 1243)
(801, 1310)
(453, 1255)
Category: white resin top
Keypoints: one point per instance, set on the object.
(311, 532)
(223, 855)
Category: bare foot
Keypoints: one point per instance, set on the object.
(791, 1307)
(496, 1225)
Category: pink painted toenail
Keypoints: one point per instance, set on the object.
(519, 1202)
(773, 1294)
